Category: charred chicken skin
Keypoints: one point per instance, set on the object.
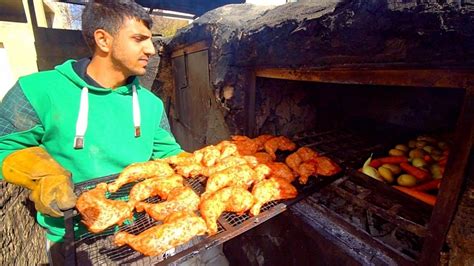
(140, 171)
(157, 186)
(98, 213)
(271, 189)
(176, 230)
(232, 199)
(179, 199)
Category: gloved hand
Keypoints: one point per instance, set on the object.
(50, 184)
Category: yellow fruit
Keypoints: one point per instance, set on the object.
(419, 162)
(406, 180)
(402, 147)
(417, 153)
(386, 174)
(436, 171)
(412, 144)
(395, 152)
(395, 169)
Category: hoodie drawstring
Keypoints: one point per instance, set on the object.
(136, 111)
(81, 124)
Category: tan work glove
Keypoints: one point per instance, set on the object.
(50, 184)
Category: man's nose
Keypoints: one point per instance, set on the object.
(149, 48)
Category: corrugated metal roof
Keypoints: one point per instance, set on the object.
(195, 7)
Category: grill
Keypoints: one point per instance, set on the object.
(85, 248)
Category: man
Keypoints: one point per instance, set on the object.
(85, 119)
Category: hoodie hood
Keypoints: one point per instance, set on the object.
(68, 70)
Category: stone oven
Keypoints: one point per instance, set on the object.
(350, 78)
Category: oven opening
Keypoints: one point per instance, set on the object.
(351, 122)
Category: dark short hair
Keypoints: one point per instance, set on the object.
(109, 15)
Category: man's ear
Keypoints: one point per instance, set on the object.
(103, 40)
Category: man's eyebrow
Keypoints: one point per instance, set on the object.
(140, 35)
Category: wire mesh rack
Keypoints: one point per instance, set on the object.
(85, 248)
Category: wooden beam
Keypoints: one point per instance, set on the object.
(195, 47)
(394, 77)
(454, 177)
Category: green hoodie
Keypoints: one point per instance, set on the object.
(42, 110)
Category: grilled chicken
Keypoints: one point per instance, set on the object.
(176, 230)
(278, 143)
(245, 145)
(157, 186)
(306, 162)
(140, 171)
(271, 189)
(179, 199)
(241, 175)
(232, 199)
(98, 213)
(281, 170)
(263, 157)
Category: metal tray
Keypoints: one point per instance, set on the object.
(85, 248)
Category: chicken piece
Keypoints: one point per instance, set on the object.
(271, 189)
(227, 148)
(262, 171)
(177, 229)
(305, 170)
(263, 157)
(281, 170)
(325, 166)
(230, 161)
(245, 145)
(307, 153)
(179, 199)
(260, 140)
(209, 155)
(140, 171)
(98, 213)
(241, 175)
(293, 161)
(190, 170)
(231, 199)
(278, 143)
(183, 158)
(158, 186)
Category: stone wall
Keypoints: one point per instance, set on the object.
(23, 240)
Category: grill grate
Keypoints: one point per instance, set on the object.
(85, 248)
(394, 220)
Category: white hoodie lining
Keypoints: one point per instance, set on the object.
(81, 124)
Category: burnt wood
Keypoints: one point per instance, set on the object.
(451, 183)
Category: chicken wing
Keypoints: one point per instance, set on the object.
(157, 186)
(177, 229)
(179, 199)
(278, 143)
(140, 171)
(271, 189)
(232, 199)
(281, 170)
(98, 213)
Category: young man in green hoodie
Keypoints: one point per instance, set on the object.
(85, 119)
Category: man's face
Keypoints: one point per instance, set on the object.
(132, 47)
